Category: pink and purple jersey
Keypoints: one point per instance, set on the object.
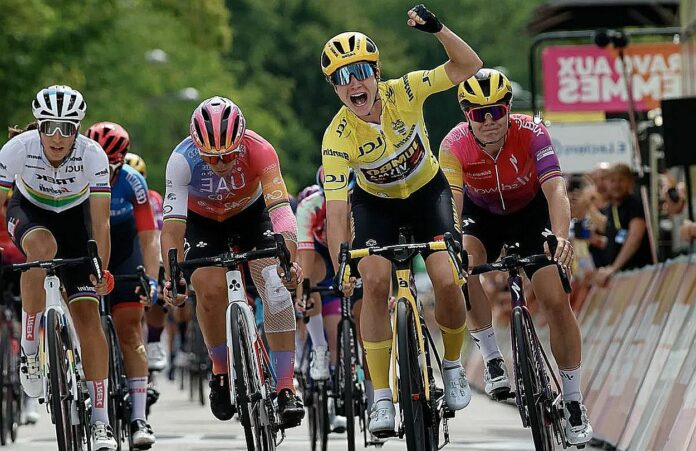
(507, 183)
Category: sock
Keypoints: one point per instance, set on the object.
(299, 346)
(370, 394)
(154, 333)
(453, 340)
(485, 340)
(30, 332)
(137, 388)
(218, 355)
(377, 355)
(447, 364)
(284, 366)
(571, 384)
(98, 391)
(315, 327)
(382, 393)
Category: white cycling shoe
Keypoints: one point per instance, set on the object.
(30, 375)
(319, 364)
(156, 356)
(495, 377)
(102, 437)
(382, 417)
(457, 390)
(578, 430)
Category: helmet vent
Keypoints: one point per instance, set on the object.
(371, 47)
(351, 43)
(339, 47)
(235, 128)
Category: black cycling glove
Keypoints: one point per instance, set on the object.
(432, 24)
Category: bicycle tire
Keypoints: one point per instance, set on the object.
(258, 437)
(411, 384)
(15, 386)
(345, 383)
(59, 391)
(323, 425)
(114, 381)
(525, 373)
(5, 396)
(312, 422)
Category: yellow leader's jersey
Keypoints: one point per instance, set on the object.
(391, 159)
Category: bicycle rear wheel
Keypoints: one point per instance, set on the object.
(116, 400)
(345, 384)
(411, 391)
(258, 436)
(59, 391)
(6, 401)
(529, 384)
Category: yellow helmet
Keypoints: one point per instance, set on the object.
(347, 48)
(487, 87)
(136, 162)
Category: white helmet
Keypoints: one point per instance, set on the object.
(59, 103)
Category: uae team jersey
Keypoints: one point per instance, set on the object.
(192, 184)
(391, 159)
(129, 200)
(84, 172)
(507, 183)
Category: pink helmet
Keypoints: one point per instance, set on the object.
(217, 126)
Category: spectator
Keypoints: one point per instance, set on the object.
(623, 223)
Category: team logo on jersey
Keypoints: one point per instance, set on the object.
(341, 126)
(369, 147)
(399, 127)
(77, 168)
(513, 162)
(407, 88)
(399, 167)
(426, 78)
(56, 181)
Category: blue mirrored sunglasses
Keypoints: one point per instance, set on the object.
(360, 71)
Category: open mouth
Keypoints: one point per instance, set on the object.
(56, 149)
(359, 99)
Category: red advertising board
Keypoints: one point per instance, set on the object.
(589, 78)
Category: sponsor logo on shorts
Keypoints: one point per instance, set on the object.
(371, 242)
(201, 244)
(12, 224)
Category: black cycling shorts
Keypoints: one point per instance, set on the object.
(252, 228)
(429, 213)
(126, 256)
(70, 228)
(524, 227)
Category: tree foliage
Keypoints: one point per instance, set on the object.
(262, 54)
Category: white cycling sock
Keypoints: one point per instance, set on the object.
(571, 384)
(449, 364)
(30, 332)
(382, 393)
(98, 391)
(485, 340)
(315, 327)
(137, 388)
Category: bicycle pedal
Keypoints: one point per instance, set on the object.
(447, 413)
(385, 434)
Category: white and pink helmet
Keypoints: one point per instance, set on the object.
(217, 126)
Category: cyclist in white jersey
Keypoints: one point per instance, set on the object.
(61, 200)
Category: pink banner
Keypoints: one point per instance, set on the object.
(589, 78)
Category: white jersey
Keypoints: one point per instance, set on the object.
(84, 172)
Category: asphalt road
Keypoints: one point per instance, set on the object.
(184, 425)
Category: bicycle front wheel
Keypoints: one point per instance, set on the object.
(258, 436)
(59, 391)
(411, 392)
(345, 382)
(529, 383)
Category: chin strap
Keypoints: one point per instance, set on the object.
(484, 144)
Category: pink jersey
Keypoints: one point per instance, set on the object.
(507, 183)
(192, 185)
(157, 205)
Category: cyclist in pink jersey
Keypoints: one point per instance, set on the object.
(224, 182)
(508, 188)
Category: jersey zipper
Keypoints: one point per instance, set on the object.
(497, 181)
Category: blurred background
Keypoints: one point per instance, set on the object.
(147, 64)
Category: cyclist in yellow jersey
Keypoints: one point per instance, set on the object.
(380, 133)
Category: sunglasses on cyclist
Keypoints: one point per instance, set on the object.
(480, 114)
(360, 71)
(50, 128)
(212, 160)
